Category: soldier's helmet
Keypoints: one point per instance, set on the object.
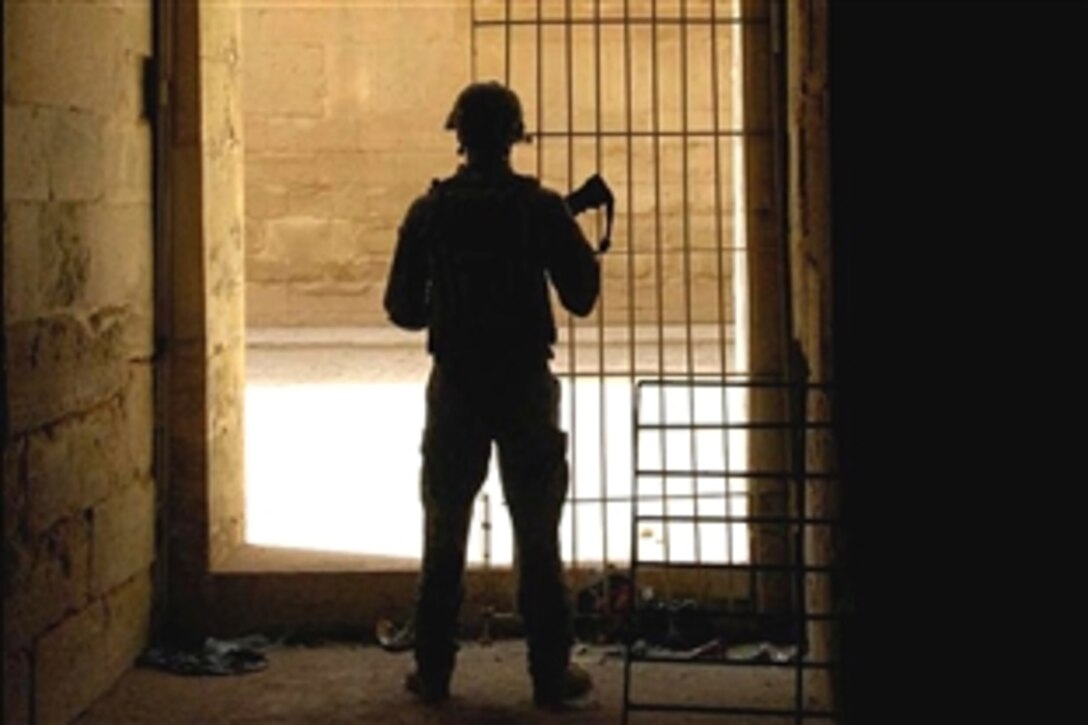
(487, 116)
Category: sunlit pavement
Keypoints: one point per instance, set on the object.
(333, 427)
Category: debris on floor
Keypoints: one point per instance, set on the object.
(392, 637)
(217, 657)
(761, 652)
(601, 608)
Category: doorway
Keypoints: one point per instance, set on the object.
(343, 127)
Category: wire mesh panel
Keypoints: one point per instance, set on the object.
(797, 688)
(648, 94)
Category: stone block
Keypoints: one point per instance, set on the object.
(66, 56)
(354, 199)
(26, 161)
(139, 424)
(17, 687)
(310, 201)
(84, 458)
(119, 245)
(136, 28)
(62, 465)
(378, 240)
(123, 543)
(254, 132)
(287, 171)
(76, 156)
(14, 488)
(286, 80)
(350, 88)
(64, 253)
(264, 200)
(311, 134)
(267, 304)
(47, 578)
(69, 670)
(126, 162)
(22, 248)
(60, 364)
(292, 23)
(30, 39)
(301, 242)
(128, 617)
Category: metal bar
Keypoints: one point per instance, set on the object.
(655, 105)
(719, 245)
(474, 24)
(811, 477)
(630, 247)
(711, 710)
(685, 221)
(492, 22)
(635, 402)
(724, 662)
(702, 379)
(731, 519)
(631, 348)
(695, 248)
(702, 133)
(723, 566)
(650, 497)
(752, 382)
(507, 55)
(733, 614)
(602, 428)
(573, 339)
(753, 425)
(538, 135)
(800, 493)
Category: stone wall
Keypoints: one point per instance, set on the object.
(810, 268)
(78, 492)
(344, 108)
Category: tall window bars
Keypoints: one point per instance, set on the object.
(649, 95)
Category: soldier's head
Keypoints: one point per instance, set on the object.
(488, 121)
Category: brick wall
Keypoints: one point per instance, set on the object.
(78, 494)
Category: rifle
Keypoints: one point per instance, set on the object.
(592, 194)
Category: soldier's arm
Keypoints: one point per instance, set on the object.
(572, 265)
(406, 289)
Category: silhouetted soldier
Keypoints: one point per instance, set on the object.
(472, 265)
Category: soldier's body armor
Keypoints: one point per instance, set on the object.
(489, 298)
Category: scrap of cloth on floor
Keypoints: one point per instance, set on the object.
(215, 657)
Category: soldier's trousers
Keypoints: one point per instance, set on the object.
(519, 411)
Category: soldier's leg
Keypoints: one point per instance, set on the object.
(456, 449)
(532, 458)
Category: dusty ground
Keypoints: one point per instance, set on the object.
(345, 683)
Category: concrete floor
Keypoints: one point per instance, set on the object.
(347, 683)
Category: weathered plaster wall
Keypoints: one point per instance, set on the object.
(344, 108)
(78, 493)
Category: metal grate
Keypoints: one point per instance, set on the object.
(683, 460)
(648, 95)
(806, 699)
